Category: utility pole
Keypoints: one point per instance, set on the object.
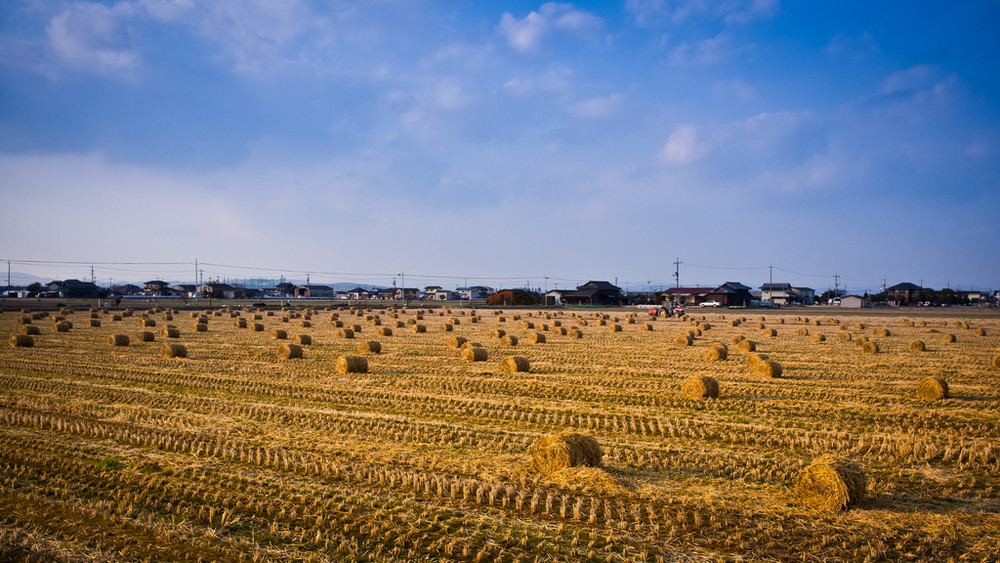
(677, 272)
(836, 285)
(196, 292)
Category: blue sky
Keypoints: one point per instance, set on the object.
(488, 142)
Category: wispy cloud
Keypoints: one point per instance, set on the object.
(526, 34)
(93, 38)
(676, 12)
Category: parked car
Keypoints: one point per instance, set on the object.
(710, 303)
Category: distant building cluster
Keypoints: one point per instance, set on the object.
(592, 293)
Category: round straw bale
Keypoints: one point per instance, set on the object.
(383, 331)
(95, 323)
(716, 353)
(615, 328)
(22, 341)
(418, 328)
(767, 368)
(200, 327)
(447, 327)
(305, 324)
(471, 345)
(289, 351)
(567, 449)
(831, 483)
(475, 354)
(996, 361)
(700, 387)
(171, 332)
(336, 324)
(24, 320)
(279, 334)
(527, 324)
(860, 341)
(456, 342)
(304, 339)
(173, 351)
(118, 340)
(147, 336)
(932, 389)
(870, 347)
(352, 364)
(647, 326)
(819, 337)
(918, 346)
(29, 330)
(769, 333)
(881, 332)
(536, 338)
(802, 331)
(575, 333)
(844, 336)
(240, 323)
(947, 337)
(515, 363)
(498, 333)
(369, 347)
(683, 340)
(746, 346)
(258, 327)
(509, 340)
(737, 338)
(345, 333)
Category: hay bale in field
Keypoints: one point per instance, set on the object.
(22, 341)
(870, 347)
(24, 320)
(471, 345)
(509, 340)
(932, 389)
(615, 328)
(566, 449)
(860, 326)
(996, 361)
(304, 339)
(746, 346)
(147, 336)
(356, 328)
(336, 324)
(289, 351)
(767, 368)
(475, 354)
(345, 333)
(200, 327)
(173, 351)
(575, 333)
(918, 346)
(881, 332)
(514, 364)
(369, 347)
(831, 483)
(527, 324)
(536, 338)
(95, 323)
(769, 333)
(30, 330)
(683, 340)
(817, 338)
(844, 336)
(802, 331)
(860, 341)
(116, 317)
(383, 331)
(447, 327)
(147, 323)
(648, 327)
(258, 327)
(240, 323)
(118, 340)
(171, 332)
(737, 338)
(279, 334)
(700, 387)
(716, 353)
(418, 328)
(305, 324)
(979, 332)
(456, 342)
(352, 364)
(498, 333)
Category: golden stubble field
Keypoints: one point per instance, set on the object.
(114, 452)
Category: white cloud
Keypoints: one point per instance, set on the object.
(684, 146)
(598, 108)
(917, 77)
(553, 81)
(734, 89)
(92, 37)
(854, 46)
(706, 52)
(676, 12)
(527, 33)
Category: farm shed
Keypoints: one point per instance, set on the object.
(853, 302)
(595, 293)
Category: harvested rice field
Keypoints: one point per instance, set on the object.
(570, 435)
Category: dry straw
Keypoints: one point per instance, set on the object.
(498, 333)
(173, 351)
(947, 338)
(683, 340)
(304, 339)
(844, 336)
(258, 327)
(716, 353)
(568, 449)
(30, 330)
(746, 346)
(831, 483)
(996, 361)
(289, 351)
(918, 346)
(536, 338)
(818, 338)
(769, 333)
(345, 333)
(700, 387)
(352, 364)
(456, 342)
(279, 334)
(200, 327)
(647, 326)
(369, 347)
(932, 389)
(118, 340)
(767, 368)
(575, 333)
(95, 323)
(870, 347)
(146, 336)
(22, 341)
(383, 331)
(171, 332)
(615, 328)
(509, 340)
(514, 364)
(419, 328)
(802, 331)
(240, 323)
(475, 354)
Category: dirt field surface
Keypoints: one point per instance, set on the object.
(287, 435)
